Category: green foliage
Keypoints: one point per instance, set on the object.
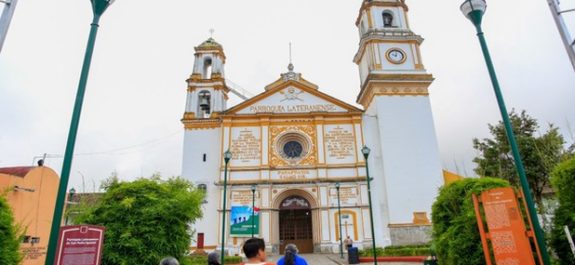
(9, 238)
(397, 251)
(145, 220)
(563, 180)
(539, 153)
(202, 260)
(455, 234)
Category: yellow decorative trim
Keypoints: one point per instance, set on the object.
(416, 39)
(289, 181)
(311, 90)
(354, 216)
(195, 124)
(420, 218)
(313, 167)
(392, 90)
(407, 225)
(370, 19)
(276, 160)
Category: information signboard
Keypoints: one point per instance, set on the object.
(505, 228)
(80, 245)
(242, 223)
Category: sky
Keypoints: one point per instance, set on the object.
(144, 52)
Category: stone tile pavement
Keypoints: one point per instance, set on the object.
(331, 259)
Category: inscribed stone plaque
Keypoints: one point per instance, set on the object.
(246, 146)
(339, 144)
(348, 196)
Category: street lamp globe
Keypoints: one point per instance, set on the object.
(365, 151)
(227, 156)
(253, 188)
(474, 10)
(71, 193)
(337, 185)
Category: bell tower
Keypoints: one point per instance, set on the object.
(398, 122)
(207, 90)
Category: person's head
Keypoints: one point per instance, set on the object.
(348, 237)
(292, 248)
(169, 261)
(213, 258)
(289, 253)
(255, 249)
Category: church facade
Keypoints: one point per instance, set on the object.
(296, 152)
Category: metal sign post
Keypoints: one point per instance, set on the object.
(570, 238)
(568, 41)
(7, 13)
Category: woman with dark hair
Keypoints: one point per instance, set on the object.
(290, 256)
(213, 258)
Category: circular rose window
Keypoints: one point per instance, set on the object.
(292, 146)
(293, 149)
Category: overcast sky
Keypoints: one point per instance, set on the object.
(144, 53)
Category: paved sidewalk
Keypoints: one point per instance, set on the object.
(332, 259)
(317, 259)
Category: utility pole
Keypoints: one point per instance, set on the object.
(7, 13)
(568, 41)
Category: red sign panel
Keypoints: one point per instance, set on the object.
(506, 227)
(80, 245)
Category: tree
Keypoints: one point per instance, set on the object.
(145, 220)
(563, 180)
(9, 238)
(455, 234)
(539, 154)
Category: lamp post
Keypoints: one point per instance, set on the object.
(71, 194)
(339, 216)
(474, 10)
(227, 157)
(98, 8)
(253, 209)
(365, 151)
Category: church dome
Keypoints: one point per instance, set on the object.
(210, 44)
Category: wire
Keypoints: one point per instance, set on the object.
(119, 149)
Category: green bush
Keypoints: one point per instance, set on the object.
(455, 234)
(563, 181)
(9, 238)
(397, 251)
(203, 260)
(145, 220)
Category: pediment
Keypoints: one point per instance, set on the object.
(292, 97)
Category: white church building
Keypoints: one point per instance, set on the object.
(293, 144)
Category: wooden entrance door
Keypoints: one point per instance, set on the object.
(296, 224)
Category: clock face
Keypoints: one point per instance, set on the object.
(396, 56)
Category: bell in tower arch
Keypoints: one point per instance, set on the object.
(204, 99)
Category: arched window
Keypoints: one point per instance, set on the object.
(387, 19)
(208, 68)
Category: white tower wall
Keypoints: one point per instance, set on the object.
(194, 168)
(409, 155)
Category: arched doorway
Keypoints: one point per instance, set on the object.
(295, 223)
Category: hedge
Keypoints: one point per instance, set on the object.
(563, 181)
(9, 238)
(203, 260)
(455, 234)
(397, 251)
